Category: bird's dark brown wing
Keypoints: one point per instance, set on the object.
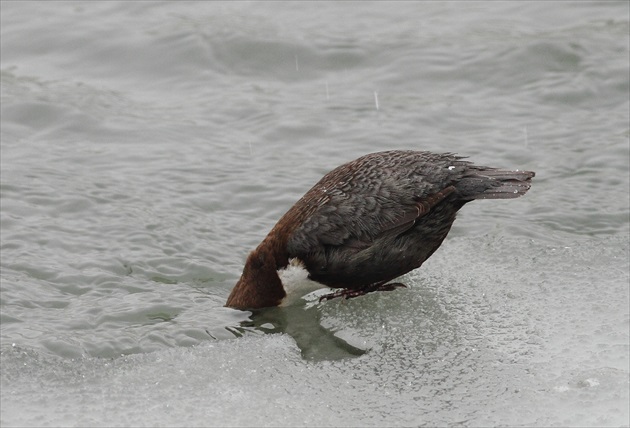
(341, 229)
(421, 208)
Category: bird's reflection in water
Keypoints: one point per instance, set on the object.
(302, 323)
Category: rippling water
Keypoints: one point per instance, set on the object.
(148, 147)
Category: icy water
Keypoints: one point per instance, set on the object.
(148, 147)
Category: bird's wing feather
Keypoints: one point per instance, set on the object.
(375, 196)
(346, 222)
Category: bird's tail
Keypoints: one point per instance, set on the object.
(495, 184)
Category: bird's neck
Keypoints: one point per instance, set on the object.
(260, 286)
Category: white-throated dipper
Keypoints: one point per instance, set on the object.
(367, 222)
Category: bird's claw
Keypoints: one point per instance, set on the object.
(348, 293)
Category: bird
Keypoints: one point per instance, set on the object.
(366, 223)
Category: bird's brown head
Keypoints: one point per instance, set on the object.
(259, 285)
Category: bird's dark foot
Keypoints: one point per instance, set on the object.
(347, 293)
(390, 286)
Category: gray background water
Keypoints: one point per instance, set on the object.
(148, 147)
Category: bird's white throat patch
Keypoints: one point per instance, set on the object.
(294, 278)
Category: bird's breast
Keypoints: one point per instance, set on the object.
(296, 282)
